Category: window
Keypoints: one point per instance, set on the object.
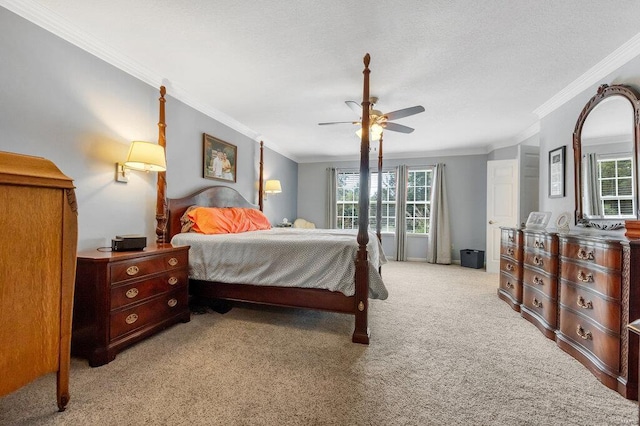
(418, 209)
(615, 183)
(388, 198)
(348, 193)
(347, 200)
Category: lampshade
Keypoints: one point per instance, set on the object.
(272, 187)
(146, 156)
(375, 131)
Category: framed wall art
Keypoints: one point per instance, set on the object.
(556, 172)
(219, 159)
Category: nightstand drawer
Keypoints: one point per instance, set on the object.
(140, 290)
(136, 268)
(138, 316)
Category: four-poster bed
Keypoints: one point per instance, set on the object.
(354, 302)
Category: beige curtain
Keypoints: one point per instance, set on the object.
(401, 207)
(439, 247)
(592, 205)
(330, 213)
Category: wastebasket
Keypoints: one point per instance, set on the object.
(472, 258)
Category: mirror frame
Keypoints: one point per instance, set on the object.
(604, 91)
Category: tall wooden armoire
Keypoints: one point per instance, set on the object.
(38, 219)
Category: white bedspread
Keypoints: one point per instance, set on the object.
(287, 257)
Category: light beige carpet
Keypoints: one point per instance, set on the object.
(444, 351)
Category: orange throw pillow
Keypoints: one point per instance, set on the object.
(227, 220)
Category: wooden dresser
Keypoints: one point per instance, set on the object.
(123, 297)
(37, 267)
(582, 289)
(510, 289)
(595, 300)
(540, 281)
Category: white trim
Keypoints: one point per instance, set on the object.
(612, 62)
(416, 259)
(56, 24)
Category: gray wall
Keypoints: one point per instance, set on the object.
(466, 178)
(556, 129)
(59, 102)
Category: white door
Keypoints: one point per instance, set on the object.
(502, 205)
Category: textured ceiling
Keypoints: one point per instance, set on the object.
(279, 68)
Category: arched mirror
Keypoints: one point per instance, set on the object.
(605, 146)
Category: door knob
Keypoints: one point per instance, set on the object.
(491, 222)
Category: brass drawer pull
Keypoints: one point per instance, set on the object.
(538, 244)
(131, 293)
(586, 335)
(172, 302)
(510, 267)
(173, 261)
(131, 319)
(584, 254)
(584, 304)
(132, 270)
(510, 251)
(509, 285)
(537, 261)
(585, 278)
(537, 303)
(173, 281)
(537, 280)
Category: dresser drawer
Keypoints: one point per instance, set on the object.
(540, 260)
(583, 274)
(135, 268)
(542, 242)
(512, 286)
(541, 304)
(512, 252)
(602, 311)
(511, 236)
(585, 333)
(547, 284)
(606, 255)
(510, 266)
(137, 316)
(176, 260)
(136, 291)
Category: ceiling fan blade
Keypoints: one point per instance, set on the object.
(395, 127)
(339, 122)
(356, 107)
(394, 115)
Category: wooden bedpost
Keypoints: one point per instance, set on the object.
(161, 197)
(261, 178)
(361, 331)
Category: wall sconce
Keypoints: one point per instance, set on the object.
(375, 131)
(143, 156)
(272, 187)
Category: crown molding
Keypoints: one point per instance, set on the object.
(615, 60)
(57, 25)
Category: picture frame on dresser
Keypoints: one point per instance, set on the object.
(556, 172)
(538, 220)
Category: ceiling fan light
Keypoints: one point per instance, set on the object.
(375, 132)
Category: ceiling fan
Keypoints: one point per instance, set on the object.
(381, 119)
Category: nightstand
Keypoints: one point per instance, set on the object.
(124, 297)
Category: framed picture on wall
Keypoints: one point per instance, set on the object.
(219, 159)
(556, 172)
